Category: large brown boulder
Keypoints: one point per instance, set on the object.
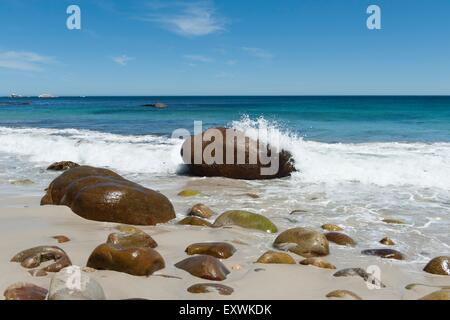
(103, 195)
(246, 167)
(303, 241)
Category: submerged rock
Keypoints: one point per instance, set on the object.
(189, 193)
(135, 261)
(222, 140)
(393, 221)
(304, 242)
(131, 237)
(317, 262)
(25, 291)
(210, 287)
(200, 210)
(340, 238)
(33, 257)
(245, 219)
(439, 265)
(205, 267)
(221, 250)
(384, 253)
(102, 195)
(437, 295)
(387, 241)
(62, 166)
(351, 272)
(195, 221)
(72, 283)
(331, 227)
(276, 257)
(342, 294)
(22, 182)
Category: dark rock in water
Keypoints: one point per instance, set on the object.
(341, 294)
(102, 195)
(387, 241)
(245, 219)
(384, 253)
(25, 291)
(252, 195)
(276, 257)
(195, 221)
(61, 238)
(62, 166)
(340, 239)
(393, 221)
(331, 227)
(200, 210)
(226, 165)
(439, 265)
(351, 272)
(32, 258)
(317, 262)
(221, 250)
(157, 105)
(437, 295)
(205, 267)
(210, 287)
(135, 261)
(304, 242)
(131, 237)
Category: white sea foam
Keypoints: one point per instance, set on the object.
(383, 164)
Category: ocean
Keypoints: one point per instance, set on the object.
(359, 159)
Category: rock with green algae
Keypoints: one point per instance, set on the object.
(189, 193)
(245, 219)
(276, 257)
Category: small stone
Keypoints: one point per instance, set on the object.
(195, 221)
(221, 250)
(252, 195)
(200, 210)
(22, 182)
(298, 211)
(384, 253)
(62, 166)
(317, 262)
(210, 287)
(245, 219)
(331, 227)
(276, 257)
(61, 238)
(387, 241)
(131, 238)
(340, 238)
(342, 294)
(134, 261)
(439, 265)
(393, 221)
(72, 283)
(189, 193)
(303, 241)
(37, 273)
(437, 295)
(205, 267)
(25, 291)
(236, 267)
(32, 258)
(351, 272)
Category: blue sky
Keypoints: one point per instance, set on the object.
(226, 47)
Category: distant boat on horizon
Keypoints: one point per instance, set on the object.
(46, 96)
(14, 96)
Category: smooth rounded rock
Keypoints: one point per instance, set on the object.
(200, 210)
(387, 241)
(304, 242)
(343, 294)
(205, 267)
(189, 193)
(33, 257)
(384, 253)
(62, 166)
(134, 261)
(437, 295)
(276, 257)
(439, 265)
(331, 227)
(195, 221)
(317, 262)
(72, 283)
(340, 238)
(211, 287)
(132, 238)
(221, 250)
(245, 219)
(61, 238)
(25, 291)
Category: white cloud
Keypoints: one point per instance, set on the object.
(193, 19)
(122, 60)
(258, 53)
(23, 60)
(198, 58)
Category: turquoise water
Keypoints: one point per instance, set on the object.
(324, 119)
